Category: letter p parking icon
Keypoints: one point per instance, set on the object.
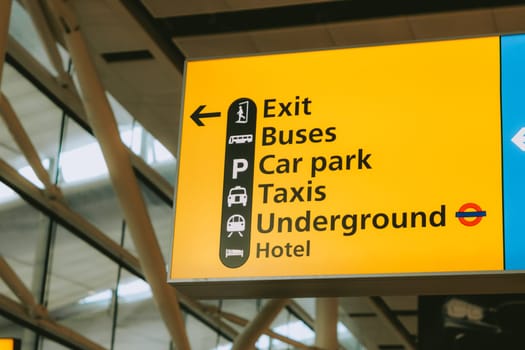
(239, 165)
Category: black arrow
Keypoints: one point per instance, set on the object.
(197, 115)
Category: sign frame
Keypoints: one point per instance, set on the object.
(357, 285)
(456, 282)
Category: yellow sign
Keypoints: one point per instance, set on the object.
(7, 344)
(360, 161)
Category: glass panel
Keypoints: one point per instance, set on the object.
(346, 338)
(23, 238)
(22, 234)
(79, 271)
(308, 305)
(40, 118)
(158, 157)
(139, 325)
(22, 29)
(51, 345)
(81, 160)
(246, 309)
(124, 119)
(12, 83)
(86, 184)
(200, 336)
(289, 326)
(141, 142)
(8, 329)
(161, 216)
(7, 195)
(222, 344)
(9, 150)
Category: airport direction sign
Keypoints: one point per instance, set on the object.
(371, 161)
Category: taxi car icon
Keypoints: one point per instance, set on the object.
(237, 195)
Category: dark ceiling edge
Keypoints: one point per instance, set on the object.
(313, 14)
(391, 347)
(126, 56)
(156, 32)
(398, 313)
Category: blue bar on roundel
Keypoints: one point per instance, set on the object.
(513, 139)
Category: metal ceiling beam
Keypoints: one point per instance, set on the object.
(243, 322)
(69, 219)
(65, 99)
(326, 318)
(35, 10)
(28, 149)
(68, 100)
(301, 314)
(391, 321)
(98, 240)
(9, 276)
(47, 327)
(5, 14)
(124, 182)
(152, 179)
(358, 329)
(212, 320)
(313, 14)
(30, 68)
(257, 326)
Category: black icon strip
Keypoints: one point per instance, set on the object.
(238, 183)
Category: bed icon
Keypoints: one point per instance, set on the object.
(234, 252)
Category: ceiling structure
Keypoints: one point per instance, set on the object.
(174, 31)
(139, 49)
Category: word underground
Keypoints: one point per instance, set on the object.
(349, 224)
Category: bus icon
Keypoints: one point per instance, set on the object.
(237, 139)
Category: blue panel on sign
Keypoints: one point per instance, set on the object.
(513, 138)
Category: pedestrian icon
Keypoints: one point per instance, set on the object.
(242, 113)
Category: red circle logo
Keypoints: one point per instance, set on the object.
(470, 214)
